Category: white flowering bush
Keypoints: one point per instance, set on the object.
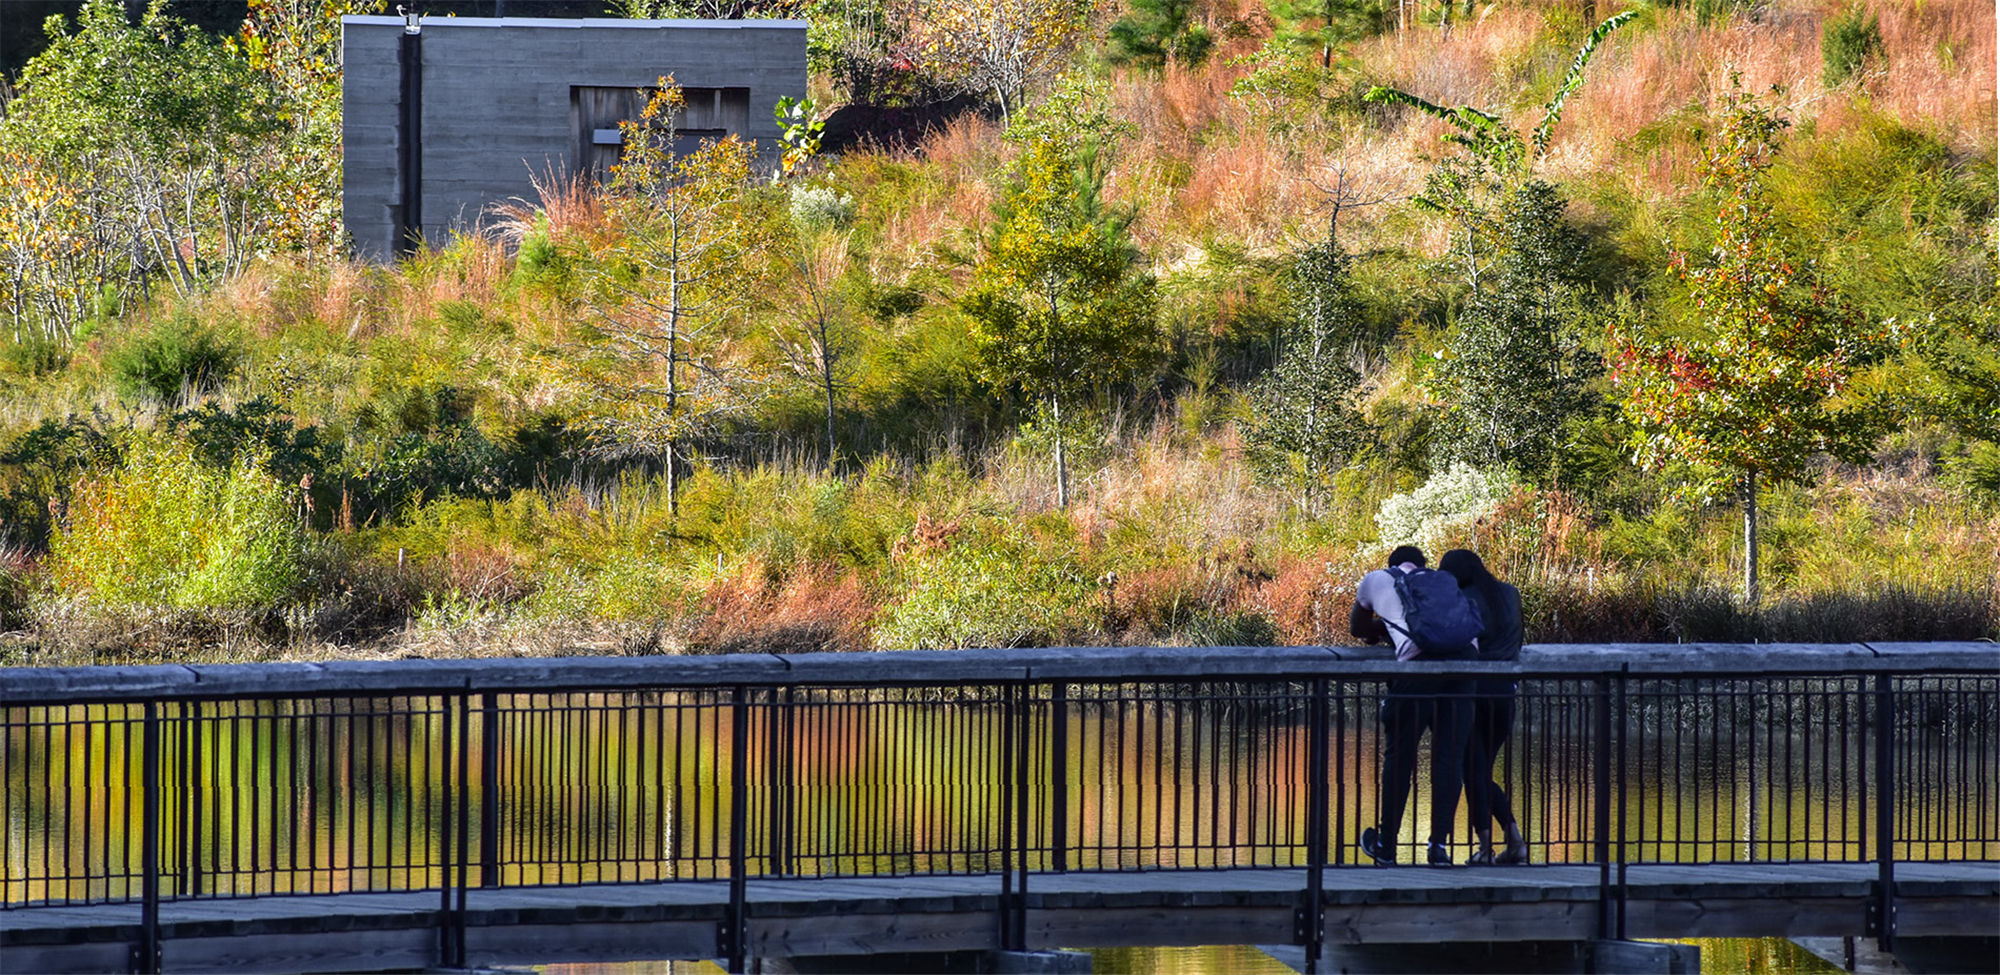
(1451, 500)
(816, 207)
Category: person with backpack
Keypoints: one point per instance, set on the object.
(1425, 615)
(1499, 605)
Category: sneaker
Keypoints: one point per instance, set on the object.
(1371, 844)
(1440, 855)
(1483, 858)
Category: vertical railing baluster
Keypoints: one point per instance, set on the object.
(463, 804)
(1023, 826)
(1059, 777)
(1624, 699)
(1009, 694)
(448, 944)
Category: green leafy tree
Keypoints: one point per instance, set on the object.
(1753, 384)
(1329, 24)
(164, 130)
(1059, 303)
(668, 377)
(295, 46)
(1517, 373)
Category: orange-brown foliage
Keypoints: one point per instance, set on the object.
(812, 610)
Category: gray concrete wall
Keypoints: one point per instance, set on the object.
(496, 102)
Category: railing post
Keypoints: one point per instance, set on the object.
(464, 845)
(1601, 831)
(1013, 816)
(1059, 777)
(1310, 928)
(1621, 709)
(1882, 910)
(777, 779)
(489, 790)
(449, 944)
(146, 954)
(735, 927)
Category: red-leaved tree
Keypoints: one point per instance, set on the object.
(1753, 384)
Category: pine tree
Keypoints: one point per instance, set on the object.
(1517, 373)
(1303, 422)
(1059, 303)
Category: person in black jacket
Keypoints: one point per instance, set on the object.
(1492, 708)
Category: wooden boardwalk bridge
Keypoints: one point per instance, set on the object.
(352, 817)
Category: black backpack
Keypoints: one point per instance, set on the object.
(1442, 622)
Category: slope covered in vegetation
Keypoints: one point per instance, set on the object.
(1163, 334)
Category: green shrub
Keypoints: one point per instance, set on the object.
(32, 357)
(1848, 43)
(180, 355)
(164, 529)
(998, 591)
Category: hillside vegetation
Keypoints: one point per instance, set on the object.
(1163, 333)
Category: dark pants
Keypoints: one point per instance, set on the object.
(1444, 708)
(1492, 725)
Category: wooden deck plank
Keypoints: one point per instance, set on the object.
(850, 914)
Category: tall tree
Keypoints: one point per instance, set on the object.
(295, 45)
(816, 334)
(675, 278)
(1059, 303)
(1517, 373)
(1303, 422)
(1752, 385)
(1154, 32)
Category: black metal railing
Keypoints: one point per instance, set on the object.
(287, 781)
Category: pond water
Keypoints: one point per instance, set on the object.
(1732, 956)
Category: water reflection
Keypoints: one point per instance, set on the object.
(1719, 956)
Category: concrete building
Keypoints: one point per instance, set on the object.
(444, 116)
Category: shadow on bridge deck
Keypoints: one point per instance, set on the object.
(878, 915)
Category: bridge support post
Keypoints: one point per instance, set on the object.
(1643, 958)
(1882, 908)
(146, 954)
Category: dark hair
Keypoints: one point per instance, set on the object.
(1406, 553)
(1465, 564)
